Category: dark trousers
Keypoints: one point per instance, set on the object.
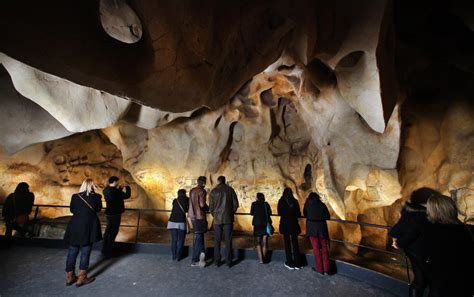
(111, 231)
(198, 246)
(320, 252)
(72, 256)
(11, 225)
(292, 250)
(420, 281)
(177, 243)
(227, 229)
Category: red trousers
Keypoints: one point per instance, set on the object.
(320, 251)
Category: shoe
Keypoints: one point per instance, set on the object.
(312, 268)
(82, 278)
(202, 260)
(195, 264)
(70, 278)
(298, 267)
(229, 264)
(289, 267)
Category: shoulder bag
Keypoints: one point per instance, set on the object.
(270, 230)
(189, 224)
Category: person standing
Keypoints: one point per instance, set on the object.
(16, 210)
(261, 212)
(177, 224)
(408, 234)
(223, 204)
(197, 214)
(114, 197)
(82, 231)
(289, 211)
(316, 213)
(450, 250)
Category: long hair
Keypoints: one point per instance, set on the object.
(441, 209)
(88, 186)
(288, 195)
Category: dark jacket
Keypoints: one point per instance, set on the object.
(197, 203)
(177, 214)
(450, 256)
(18, 204)
(223, 204)
(114, 198)
(261, 216)
(289, 211)
(409, 230)
(84, 226)
(316, 213)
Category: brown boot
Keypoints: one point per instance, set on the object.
(70, 278)
(82, 278)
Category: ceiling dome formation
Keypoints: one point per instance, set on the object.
(356, 100)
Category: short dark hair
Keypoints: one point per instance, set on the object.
(260, 197)
(421, 196)
(314, 195)
(113, 179)
(221, 179)
(181, 192)
(201, 179)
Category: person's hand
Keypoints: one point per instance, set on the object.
(394, 244)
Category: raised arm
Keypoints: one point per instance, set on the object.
(128, 192)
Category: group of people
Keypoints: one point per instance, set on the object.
(189, 214)
(439, 246)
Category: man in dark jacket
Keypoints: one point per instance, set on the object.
(114, 197)
(223, 204)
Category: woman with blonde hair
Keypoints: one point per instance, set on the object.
(82, 231)
(449, 246)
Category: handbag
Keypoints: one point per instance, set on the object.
(270, 230)
(189, 224)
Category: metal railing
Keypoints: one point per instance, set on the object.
(140, 211)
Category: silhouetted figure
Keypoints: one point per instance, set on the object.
(223, 204)
(289, 211)
(317, 213)
(177, 224)
(450, 250)
(16, 210)
(408, 233)
(82, 231)
(261, 212)
(197, 214)
(114, 196)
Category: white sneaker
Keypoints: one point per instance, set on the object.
(289, 267)
(202, 260)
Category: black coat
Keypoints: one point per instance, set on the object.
(289, 211)
(18, 204)
(409, 230)
(177, 214)
(450, 257)
(84, 226)
(260, 216)
(114, 198)
(316, 213)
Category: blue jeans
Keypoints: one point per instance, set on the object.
(177, 243)
(198, 246)
(72, 256)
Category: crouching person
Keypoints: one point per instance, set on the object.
(82, 231)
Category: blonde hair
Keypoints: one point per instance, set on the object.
(441, 209)
(88, 186)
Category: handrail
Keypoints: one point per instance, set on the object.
(140, 210)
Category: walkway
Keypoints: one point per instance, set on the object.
(28, 271)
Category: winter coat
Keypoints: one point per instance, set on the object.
(18, 204)
(84, 226)
(316, 213)
(260, 216)
(223, 204)
(177, 214)
(289, 211)
(409, 230)
(450, 257)
(114, 198)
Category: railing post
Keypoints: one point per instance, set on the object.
(138, 226)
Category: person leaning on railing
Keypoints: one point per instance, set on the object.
(289, 211)
(82, 231)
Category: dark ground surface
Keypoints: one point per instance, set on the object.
(36, 271)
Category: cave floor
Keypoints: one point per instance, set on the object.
(28, 271)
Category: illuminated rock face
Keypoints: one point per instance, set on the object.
(303, 96)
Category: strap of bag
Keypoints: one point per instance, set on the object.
(266, 213)
(87, 203)
(182, 209)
